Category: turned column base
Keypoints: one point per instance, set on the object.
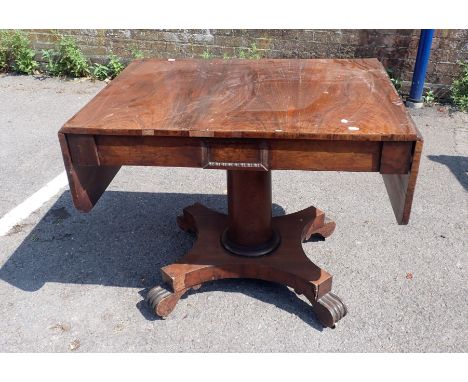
(208, 260)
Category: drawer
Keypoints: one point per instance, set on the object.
(235, 155)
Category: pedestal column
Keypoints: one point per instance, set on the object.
(249, 231)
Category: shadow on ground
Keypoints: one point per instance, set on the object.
(123, 242)
(457, 164)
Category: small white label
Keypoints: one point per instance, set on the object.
(171, 59)
(353, 128)
(344, 121)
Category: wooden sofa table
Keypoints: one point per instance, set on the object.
(249, 118)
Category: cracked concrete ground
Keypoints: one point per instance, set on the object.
(75, 282)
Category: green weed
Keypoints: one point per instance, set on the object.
(429, 98)
(136, 53)
(3, 52)
(109, 71)
(459, 88)
(15, 52)
(397, 83)
(207, 55)
(66, 60)
(115, 66)
(100, 72)
(251, 53)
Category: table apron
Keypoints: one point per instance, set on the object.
(243, 154)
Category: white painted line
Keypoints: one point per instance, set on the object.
(31, 204)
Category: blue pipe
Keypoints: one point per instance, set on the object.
(420, 67)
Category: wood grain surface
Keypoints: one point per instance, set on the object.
(320, 99)
(87, 183)
(400, 187)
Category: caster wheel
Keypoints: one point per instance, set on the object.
(162, 301)
(329, 309)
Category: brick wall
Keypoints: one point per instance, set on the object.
(396, 49)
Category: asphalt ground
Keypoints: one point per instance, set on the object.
(76, 282)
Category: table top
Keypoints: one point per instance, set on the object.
(322, 99)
